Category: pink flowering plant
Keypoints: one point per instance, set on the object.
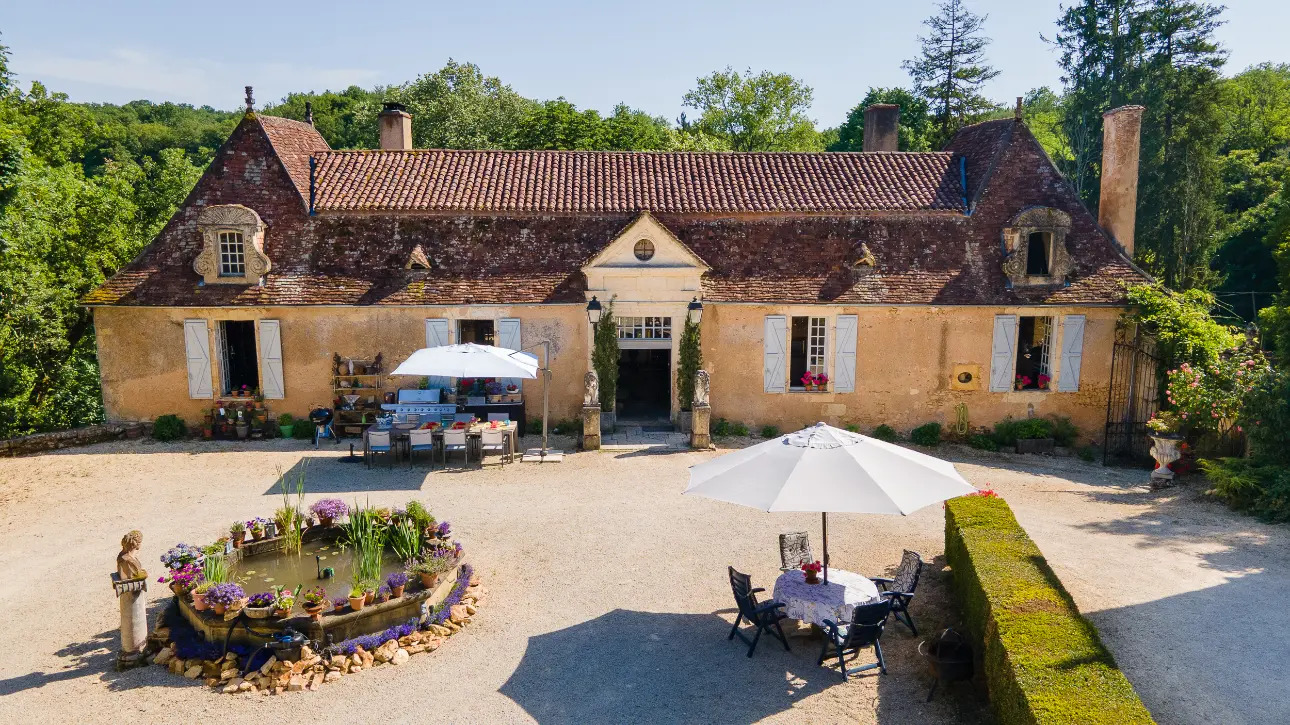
(1210, 397)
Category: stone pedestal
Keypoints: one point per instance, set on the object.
(591, 427)
(701, 420)
(134, 621)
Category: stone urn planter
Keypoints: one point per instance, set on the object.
(1036, 445)
(243, 430)
(1165, 449)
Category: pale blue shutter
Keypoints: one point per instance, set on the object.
(197, 347)
(508, 336)
(1072, 353)
(1003, 353)
(844, 355)
(775, 353)
(437, 336)
(273, 386)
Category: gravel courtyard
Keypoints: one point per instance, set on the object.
(607, 594)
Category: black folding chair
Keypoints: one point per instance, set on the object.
(765, 617)
(867, 623)
(900, 588)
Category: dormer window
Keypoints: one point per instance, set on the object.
(1035, 247)
(1037, 253)
(232, 255)
(232, 245)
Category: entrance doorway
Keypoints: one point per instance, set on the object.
(644, 384)
(238, 366)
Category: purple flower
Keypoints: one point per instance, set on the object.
(397, 579)
(340, 602)
(262, 599)
(443, 530)
(329, 508)
(225, 594)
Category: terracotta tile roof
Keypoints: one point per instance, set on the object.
(294, 142)
(612, 182)
(982, 145)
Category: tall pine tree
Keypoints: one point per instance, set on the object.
(951, 68)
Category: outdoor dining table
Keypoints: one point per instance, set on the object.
(814, 603)
(401, 441)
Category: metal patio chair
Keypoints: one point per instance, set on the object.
(764, 616)
(378, 441)
(900, 588)
(420, 440)
(867, 624)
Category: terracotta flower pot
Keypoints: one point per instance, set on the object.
(199, 601)
(369, 596)
(429, 580)
(257, 535)
(282, 613)
(396, 592)
(356, 603)
(325, 521)
(220, 608)
(314, 611)
(812, 578)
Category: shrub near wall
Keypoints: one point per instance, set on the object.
(1044, 662)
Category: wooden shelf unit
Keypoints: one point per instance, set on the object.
(369, 385)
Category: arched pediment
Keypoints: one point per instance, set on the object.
(240, 227)
(1052, 225)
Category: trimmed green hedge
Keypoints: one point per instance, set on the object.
(1044, 662)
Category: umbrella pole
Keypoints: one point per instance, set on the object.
(824, 522)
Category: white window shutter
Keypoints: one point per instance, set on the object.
(508, 336)
(844, 355)
(272, 385)
(1072, 353)
(1003, 353)
(437, 331)
(197, 344)
(775, 353)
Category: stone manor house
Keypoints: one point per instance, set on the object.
(915, 281)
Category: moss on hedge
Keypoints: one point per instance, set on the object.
(1044, 662)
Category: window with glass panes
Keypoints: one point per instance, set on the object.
(806, 348)
(644, 328)
(232, 255)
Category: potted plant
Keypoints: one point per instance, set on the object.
(493, 391)
(199, 596)
(238, 531)
(260, 605)
(242, 427)
(1020, 382)
(369, 592)
(357, 597)
(286, 425)
(822, 382)
(443, 530)
(396, 581)
(430, 566)
(383, 593)
(1164, 429)
(808, 381)
(328, 510)
(1043, 381)
(812, 570)
(222, 596)
(313, 601)
(256, 525)
(284, 602)
(512, 393)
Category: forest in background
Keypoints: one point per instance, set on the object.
(85, 186)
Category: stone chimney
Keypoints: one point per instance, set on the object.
(1118, 206)
(396, 128)
(882, 127)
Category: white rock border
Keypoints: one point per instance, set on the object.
(313, 670)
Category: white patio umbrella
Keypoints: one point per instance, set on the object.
(469, 360)
(826, 469)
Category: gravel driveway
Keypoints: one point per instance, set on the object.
(607, 592)
(608, 599)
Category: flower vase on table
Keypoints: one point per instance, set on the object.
(812, 571)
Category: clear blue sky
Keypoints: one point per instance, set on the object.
(594, 54)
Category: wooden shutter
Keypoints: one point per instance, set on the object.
(272, 384)
(1003, 353)
(437, 332)
(775, 353)
(508, 336)
(197, 344)
(844, 355)
(1072, 353)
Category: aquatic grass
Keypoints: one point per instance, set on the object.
(216, 569)
(405, 539)
(291, 518)
(365, 534)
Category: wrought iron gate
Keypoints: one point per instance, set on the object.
(1134, 396)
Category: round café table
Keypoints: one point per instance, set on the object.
(815, 603)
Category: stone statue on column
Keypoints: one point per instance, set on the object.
(701, 417)
(130, 582)
(591, 411)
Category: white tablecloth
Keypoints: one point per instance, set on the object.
(815, 603)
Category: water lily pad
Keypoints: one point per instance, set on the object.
(250, 572)
(268, 579)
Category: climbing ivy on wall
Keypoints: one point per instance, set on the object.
(604, 357)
